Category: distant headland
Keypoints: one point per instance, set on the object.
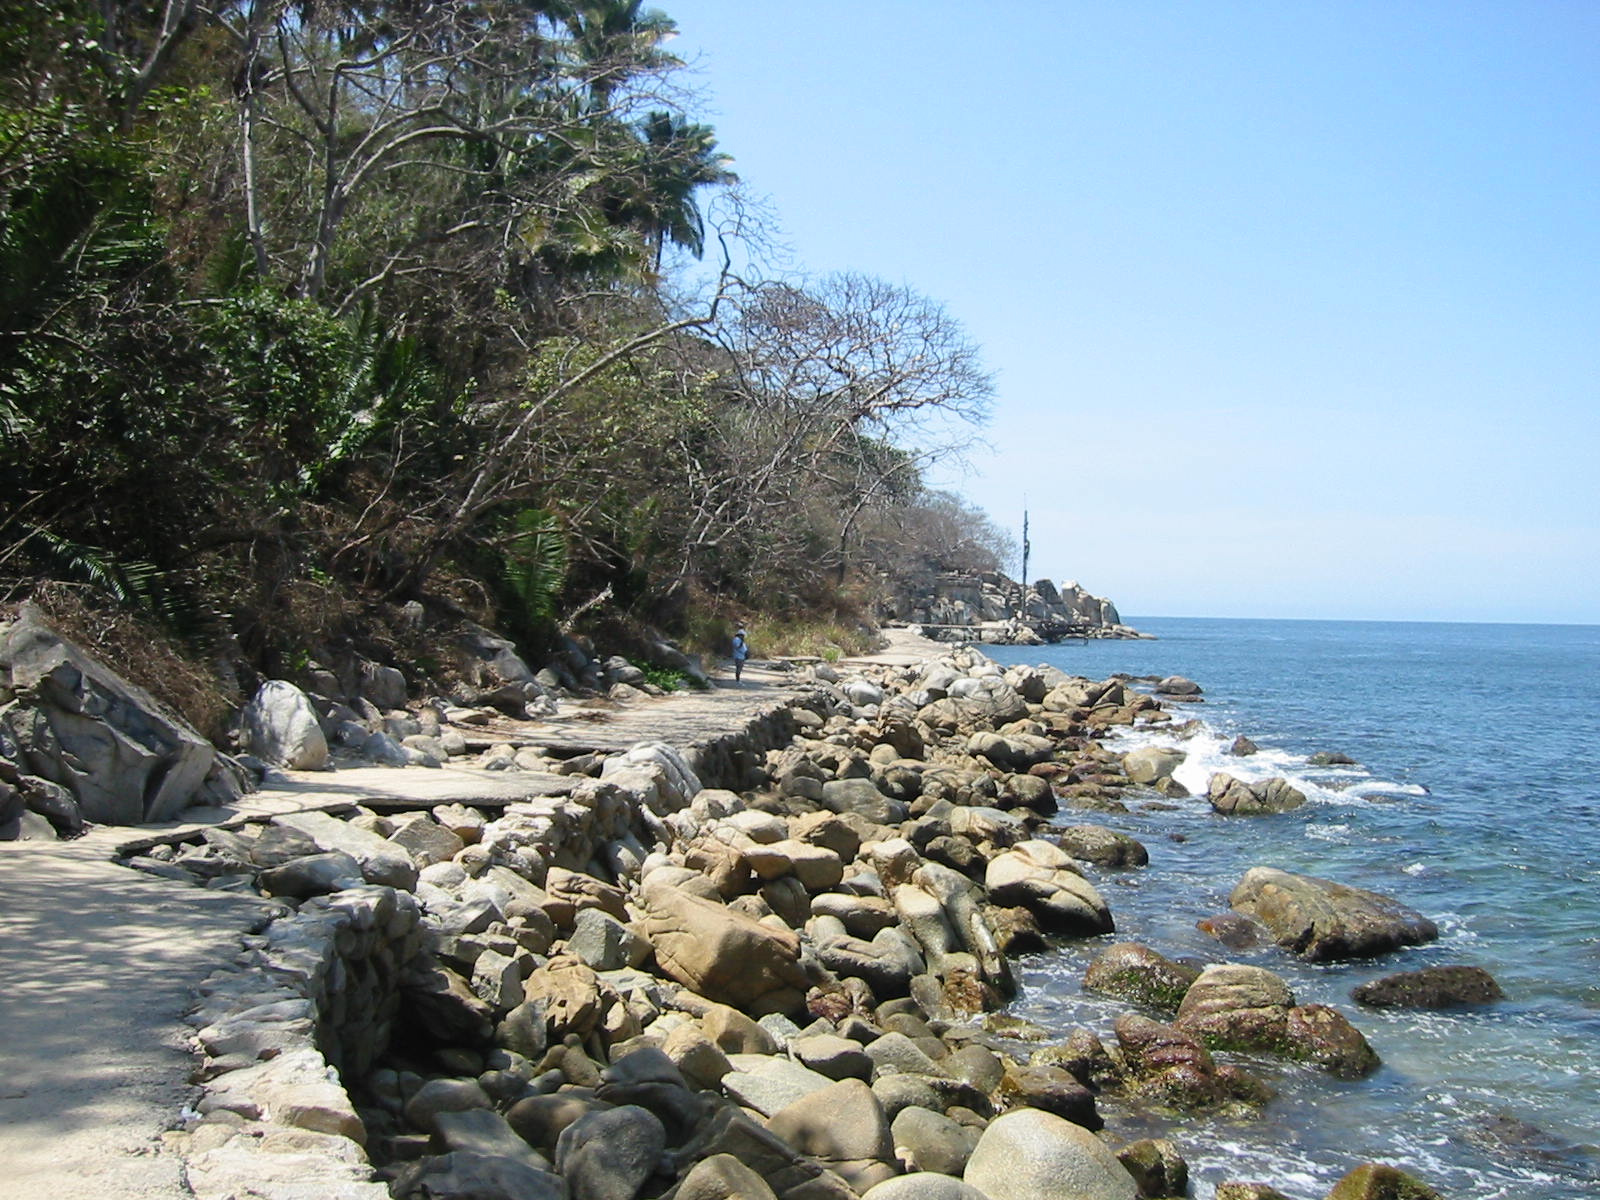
(994, 609)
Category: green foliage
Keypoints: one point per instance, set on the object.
(668, 679)
(534, 563)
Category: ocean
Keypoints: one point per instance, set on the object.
(1476, 802)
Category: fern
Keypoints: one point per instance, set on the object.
(133, 583)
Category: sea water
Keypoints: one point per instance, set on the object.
(1476, 802)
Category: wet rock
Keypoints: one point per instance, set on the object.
(1242, 747)
(1158, 1169)
(1233, 930)
(1331, 758)
(1236, 1007)
(1103, 847)
(1234, 797)
(1151, 764)
(1323, 921)
(1431, 987)
(1031, 1155)
(1377, 1181)
(1177, 685)
(1170, 1066)
(1248, 1191)
(1138, 974)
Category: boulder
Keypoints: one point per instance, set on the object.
(1431, 987)
(1235, 797)
(1031, 1155)
(123, 755)
(381, 860)
(1156, 1166)
(1378, 1181)
(926, 1140)
(1177, 685)
(1151, 764)
(1323, 921)
(1169, 1066)
(464, 1175)
(1138, 974)
(1040, 877)
(722, 1177)
(923, 1185)
(608, 1155)
(1101, 846)
(721, 954)
(1236, 1007)
(279, 726)
(843, 1127)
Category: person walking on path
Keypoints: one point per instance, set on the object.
(741, 651)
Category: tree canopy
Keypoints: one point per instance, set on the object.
(382, 301)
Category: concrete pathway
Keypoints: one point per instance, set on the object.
(97, 964)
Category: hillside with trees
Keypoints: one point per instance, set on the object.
(310, 311)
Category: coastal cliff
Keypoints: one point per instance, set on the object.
(995, 609)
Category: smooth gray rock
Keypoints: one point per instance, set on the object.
(125, 757)
(381, 860)
(313, 875)
(608, 1155)
(923, 1185)
(280, 726)
(463, 1175)
(930, 1141)
(1031, 1155)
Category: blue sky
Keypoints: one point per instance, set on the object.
(1294, 309)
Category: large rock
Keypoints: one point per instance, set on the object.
(1040, 876)
(1235, 797)
(1237, 1007)
(1152, 764)
(1030, 1155)
(721, 954)
(1379, 1181)
(608, 1155)
(844, 1128)
(1171, 1067)
(280, 726)
(381, 860)
(1103, 847)
(1323, 921)
(123, 755)
(1137, 973)
(1431, 987)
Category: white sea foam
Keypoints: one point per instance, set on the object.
(1415, 868)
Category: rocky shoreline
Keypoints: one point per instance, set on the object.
(771, 970)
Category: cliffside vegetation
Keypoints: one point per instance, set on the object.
(309, 309)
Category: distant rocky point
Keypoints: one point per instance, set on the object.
(992, 608)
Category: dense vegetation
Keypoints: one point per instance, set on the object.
(312, 307)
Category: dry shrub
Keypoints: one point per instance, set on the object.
(142, 653)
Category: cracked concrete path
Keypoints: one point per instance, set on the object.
(97, 965)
